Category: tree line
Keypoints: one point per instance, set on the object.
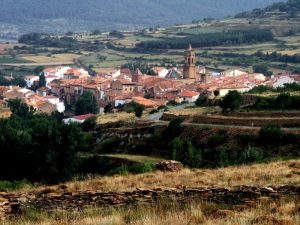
(291, 8)
(39, 148)
(46, 40)
(231, 37)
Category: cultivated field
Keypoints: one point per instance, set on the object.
(52, 59)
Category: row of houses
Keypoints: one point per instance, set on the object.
(65, 85)
(42, 104)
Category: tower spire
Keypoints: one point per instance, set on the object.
(189, 69)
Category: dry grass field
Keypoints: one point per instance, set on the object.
(55, 58)
(263, 212)
(276, 173)
(115, 117)
(196, 111)
(4, 47)
(280, 212)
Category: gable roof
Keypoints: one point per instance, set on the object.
(83, 117)
(188, 94)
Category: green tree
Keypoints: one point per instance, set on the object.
(270, 135)
(216, 93)
(86, 103)
(283, 101)
(231, 101)
(37, 70)
(262, 68)
(185, 152)
(18, 81)
(201, 100)
(42, 80)
(20, 109)
(138, 111)
(108, 108)
(173, 130)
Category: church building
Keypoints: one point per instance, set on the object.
(189, 69)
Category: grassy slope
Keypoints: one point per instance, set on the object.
(279, 212)
(276, 173)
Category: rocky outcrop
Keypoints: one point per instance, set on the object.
(51, 200)
(169, 166)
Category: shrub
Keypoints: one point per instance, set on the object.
(14, 185)
(153, 111)
(110, 144)
(143, 168)
(231, 101)
(122, 170)
(201, 100)
(270, 135)
(185, 152)
(252, 155)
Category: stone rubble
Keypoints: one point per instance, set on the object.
(62, 199)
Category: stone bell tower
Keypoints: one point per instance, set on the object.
(189, 69)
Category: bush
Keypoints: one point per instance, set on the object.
(14, 185)
(231, 101)
(201, 100)
(110, 145)
(252, 155)
(185, 152)
(143, 168)
(122, 170)
(270, 135)
(172, 103)
(153, 111)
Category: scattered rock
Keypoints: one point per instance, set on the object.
(169, 166)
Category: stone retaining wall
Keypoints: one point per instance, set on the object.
(11, 204)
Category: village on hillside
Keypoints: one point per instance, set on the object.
(63, 85)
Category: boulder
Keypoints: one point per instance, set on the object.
(169, 166)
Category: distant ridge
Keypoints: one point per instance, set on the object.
(60, 16)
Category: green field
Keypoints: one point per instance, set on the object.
(118, 51)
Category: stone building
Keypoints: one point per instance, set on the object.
(189, 69)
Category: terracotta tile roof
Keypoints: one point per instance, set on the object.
(83, 117)
(126, 82)
(125, 71)
(188, 94)
(145, 102)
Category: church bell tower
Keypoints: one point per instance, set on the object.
(189, 69)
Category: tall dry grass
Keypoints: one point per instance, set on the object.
(281, 212)
(276, 173)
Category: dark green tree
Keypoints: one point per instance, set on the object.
(86, 103)
(283, 101)
(37, 70)
(231, 101)
(108, 108)
(20, 109)
(262, 68)
(201, 100)
(185, 152)
(42, 80)
(138, 111)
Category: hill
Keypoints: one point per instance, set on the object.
(281, 10)
(59, 16)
